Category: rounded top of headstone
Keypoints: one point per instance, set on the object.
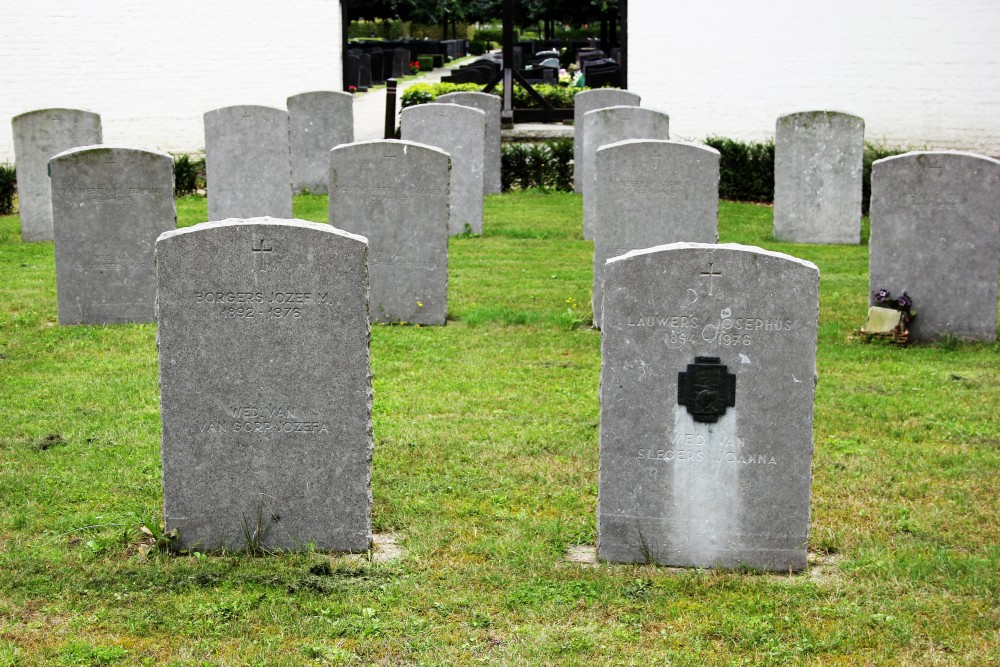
(930, 156)
(406, 145)
(319, 95)
(470, 96)
(262, 221)
(624, 110)
(667, 144)
(259, 108)
(28, 114)
(712, 247)
(824, 115)
(98, 148)
(434, 107)
(597, 94)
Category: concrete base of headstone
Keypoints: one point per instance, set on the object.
(265, 385)
(708, 370)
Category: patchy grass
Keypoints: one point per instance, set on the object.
(485, 468)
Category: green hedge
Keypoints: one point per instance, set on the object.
(746, 169)
(426, 63)
(560, 97)
(8, 188)
(874, 152)
(546, 165)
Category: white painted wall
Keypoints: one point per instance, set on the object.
(151, 69)
(920, 72)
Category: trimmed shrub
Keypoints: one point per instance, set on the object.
(8, 188)
(422, 93)
(545, 165)
(560, 97)
(746, 170)
(873, 152)
(426, 63)
(189, 175)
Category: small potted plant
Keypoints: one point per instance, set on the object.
(890, 316)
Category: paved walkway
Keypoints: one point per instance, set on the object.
(369, 114)
(369, 108)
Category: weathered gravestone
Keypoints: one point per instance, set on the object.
(38, 135)
(935, 234)
(490, 105)
(818, 162)
(247, 163)
(591, 100)
(108, 205)
(395, 193)
(265, 385)
(651, 193)
(708, 362)
(461, 132)
(317, 122)
(607, 126)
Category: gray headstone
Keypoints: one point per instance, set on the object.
(607, 126)
(265, 385)
(651, 193)
(109, 204)
(247, 163)
(935, 234)
(591, 100)
(491, 106)
(818, 162)
(38, 135)
(317, 122)
(695, 332)
(395, 193)
(460, 131)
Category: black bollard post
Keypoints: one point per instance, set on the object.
(390, 109)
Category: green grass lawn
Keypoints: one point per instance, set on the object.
(485, 469)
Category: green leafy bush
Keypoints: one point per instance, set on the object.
(189, 175)
(543, 165)
(426, 63)
(746, 169)
(873, 152)
(560, 97)
(421, 93)
(8, 188)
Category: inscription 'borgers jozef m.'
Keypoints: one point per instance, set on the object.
(706, 389)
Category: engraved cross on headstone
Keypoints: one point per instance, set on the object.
(247, 117)
(259, 252)
(711, 276)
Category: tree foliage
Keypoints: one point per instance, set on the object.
(431, 12)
